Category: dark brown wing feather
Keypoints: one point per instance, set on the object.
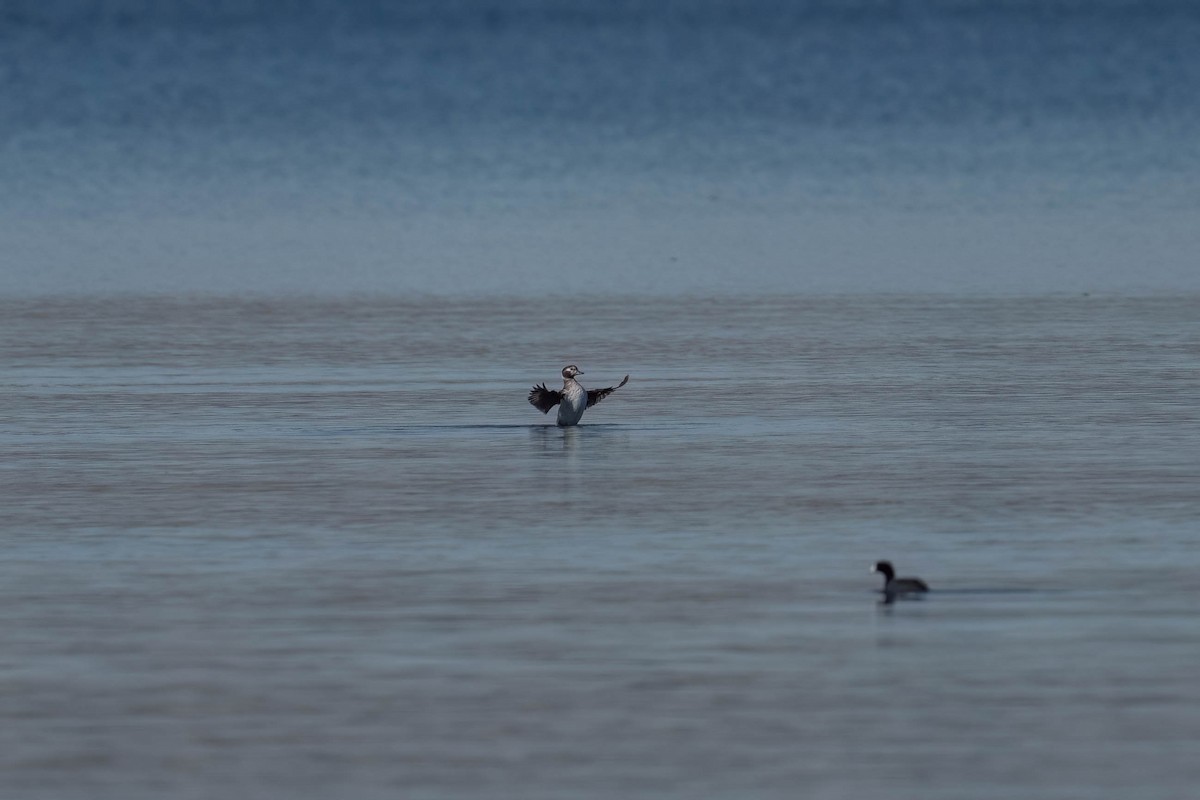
(596, 395)
(544, 399)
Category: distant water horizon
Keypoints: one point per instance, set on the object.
(573, 147)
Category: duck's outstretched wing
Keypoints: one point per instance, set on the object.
(544, 399)
(596, 395)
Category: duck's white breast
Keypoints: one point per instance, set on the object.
(573, 403)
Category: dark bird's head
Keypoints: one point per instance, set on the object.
(570, 371)
(884, 568)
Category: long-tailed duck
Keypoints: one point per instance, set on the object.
(573, 400)
(894, 587)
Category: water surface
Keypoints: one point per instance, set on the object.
(303, 547)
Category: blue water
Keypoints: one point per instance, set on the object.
(302, 548)
(557, 147)
(892, 280)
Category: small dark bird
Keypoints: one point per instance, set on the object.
(573, 400)
(894, 587)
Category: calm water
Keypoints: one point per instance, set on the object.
(627, 146)
(907, 280)
(313, 548)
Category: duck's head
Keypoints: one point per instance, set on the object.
(885, 569)
(570, 371)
